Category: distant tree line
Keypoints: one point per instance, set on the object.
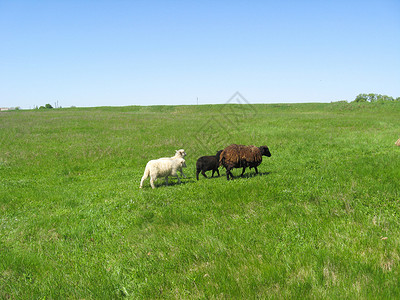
(47, 106)
(375, 98)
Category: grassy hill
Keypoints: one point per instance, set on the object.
(320, 221)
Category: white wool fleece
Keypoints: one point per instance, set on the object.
(163, 167)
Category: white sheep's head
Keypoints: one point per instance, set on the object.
(180, 153)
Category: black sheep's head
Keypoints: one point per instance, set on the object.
(265, 151)
(218, 154)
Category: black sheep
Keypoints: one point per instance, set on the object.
(207, 163)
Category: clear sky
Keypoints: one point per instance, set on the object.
(97, 53)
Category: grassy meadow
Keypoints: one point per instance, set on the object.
(321, 220)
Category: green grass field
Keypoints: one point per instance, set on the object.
(322, 220)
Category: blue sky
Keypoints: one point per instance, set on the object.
(97, 53)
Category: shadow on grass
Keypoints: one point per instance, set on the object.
(251, 175)
(192, 180)
(208, 177)
(171, 183)
(246, 175)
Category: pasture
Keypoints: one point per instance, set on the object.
(321, 220)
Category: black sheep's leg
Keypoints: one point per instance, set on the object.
(228, 172)
(256, 170)
(204, 173)
(218, 172)
(241, 175)
(212, 174)
(197, 174)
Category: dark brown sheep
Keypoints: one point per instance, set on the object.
(241, 156)
(207, 163)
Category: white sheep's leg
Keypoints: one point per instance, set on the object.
(166, 180)
(141, 182)
(143, 179)
(179, 180)
(183, 175)
(152, 179)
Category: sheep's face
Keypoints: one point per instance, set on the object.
(265, 151)
(180, 152)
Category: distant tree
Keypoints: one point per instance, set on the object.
(47, 106)
(384, 98)
(373, 98)
(361, 98)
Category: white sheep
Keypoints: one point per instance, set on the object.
(164, 167)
